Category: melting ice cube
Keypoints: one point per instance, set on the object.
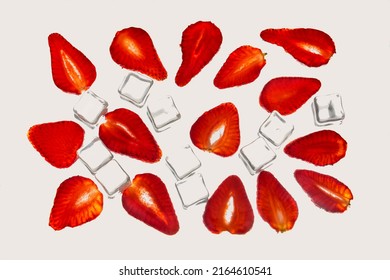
(135, 88)
(328, 109)
(90, 108)
(95, 155)
(275, 129)
(183, 162)
(162, 112)
(112, 177)
(257, 155)
(192, 190)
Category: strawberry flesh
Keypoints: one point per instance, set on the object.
(147, 200)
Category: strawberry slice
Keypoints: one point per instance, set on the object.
(242, 67)
(125, 133)
(311, 47)
(324, 147)
(325, 191)
(57, 142)
(275, 205)
(147, 200)
(229, 209)
(72, 71)
(133, 49)
(78, 201)
(200, 42)
(217, 130)
(287, 94)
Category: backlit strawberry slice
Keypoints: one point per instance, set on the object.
(72, 71)
(325, 191)
(147, 200)
(229, 209)
(125, 133)
(57, 142)
(324, 147)
(77, 202)
(310, 46)
(133, 49)
(217, 130)
(275, 205)
(287, 94)
(200, 42)
(242, 67)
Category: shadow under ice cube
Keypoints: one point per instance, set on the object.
(113, 178)
(90, 108)
(257, 155)
(192, 190)
(162, 112)
(328, 109)
(275, 129)
(95, 155)
(135, 88)
(183, 162)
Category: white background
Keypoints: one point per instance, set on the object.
(359, 71)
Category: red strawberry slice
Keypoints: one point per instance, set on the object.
(124, 132)
(147, 200)
(242, 67)
(287, 94)
(200, 42)
(78, 201)
(72, 71)
(275, 205)
(324, 147)
(229, 209)
(133, 49)
(217, 130)
(57, 142)
(310, 46)
(325, 191)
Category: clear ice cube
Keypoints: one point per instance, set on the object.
(328, 109)
(95, 155)
(183, 162)
(112, 177)
(90, 108)
(162, 112)
(135, 88)
(257, 155)
(275, 129)
(192, 190)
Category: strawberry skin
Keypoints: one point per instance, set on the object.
(223, 117)
(72, 71)
(325, 191)
(275, 205)
(241, 219)
(147, 200)
(311, 47)
(78, 201)
(125, 133)
(324, 147)
(133, 49)
(57, 142)
(242, 67)
(200, 42)
(287, 94)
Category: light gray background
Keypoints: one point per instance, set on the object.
(359, 71)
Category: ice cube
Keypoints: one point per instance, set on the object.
(135, 88)
(183, 162)
(90, 108)
(328, 109)
(192, 190)
(162, 112)
(275, 129)
(112, 177)
(257, 155)
(95, 155)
